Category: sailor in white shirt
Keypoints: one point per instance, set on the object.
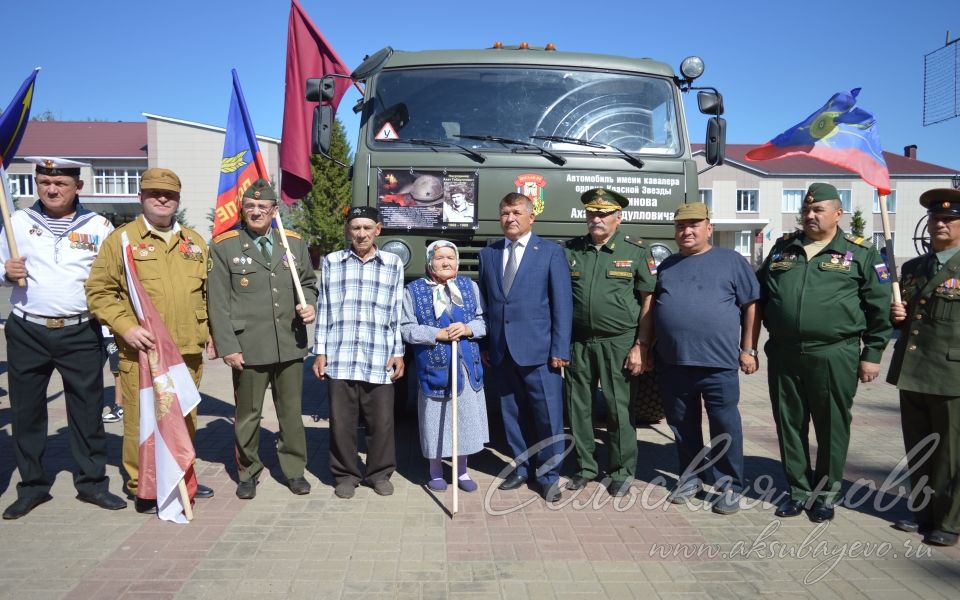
(49, 328)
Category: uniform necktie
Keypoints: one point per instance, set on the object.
(264, 248)
(511, 271)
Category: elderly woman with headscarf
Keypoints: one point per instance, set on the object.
(438, 309)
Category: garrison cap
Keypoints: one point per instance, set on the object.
(694, 211)
(818, 192)
(56, 166)
(160, 179)
(602, 199)
(941, 201)
(363, 212)
(260, 190)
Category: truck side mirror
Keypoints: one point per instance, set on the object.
(716, 141)
(710, 103)
(320, 89)
(322, 129)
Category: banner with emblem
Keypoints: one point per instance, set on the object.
(167, 395)
(839, 133)
(241, 165)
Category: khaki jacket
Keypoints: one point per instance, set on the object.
(174, 275)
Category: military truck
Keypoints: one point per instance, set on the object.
(444, 135)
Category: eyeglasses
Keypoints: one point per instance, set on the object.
(252, 206)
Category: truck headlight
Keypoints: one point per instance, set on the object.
(399, 248)
(659, 252)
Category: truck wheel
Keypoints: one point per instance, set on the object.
(647, 407)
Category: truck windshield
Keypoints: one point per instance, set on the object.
(634, 113)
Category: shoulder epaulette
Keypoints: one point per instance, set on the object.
(858, 240)
(574, 242)
(226, 235)
(634, 241)
(788, 236)
(293, 234)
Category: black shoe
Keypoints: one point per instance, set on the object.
(146, 507)
(103, 499)
(790, 508)
(512, 482)
(577, 482)
(911, 526)
(203, 492)
(937, 537)
(820, 513)
(299, 486)
(246, 490)
(618, 488)
(24, 505)
(552, 493)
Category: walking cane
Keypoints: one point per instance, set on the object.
(455, 359)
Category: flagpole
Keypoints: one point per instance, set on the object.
(11, 239)
(453, 416)
(185, 500)
(290, 260)
(888, 241)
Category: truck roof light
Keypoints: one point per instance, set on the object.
(524, 46)
(691, 67)
(498, 45)
(550, 46)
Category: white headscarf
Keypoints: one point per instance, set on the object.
(446, 293)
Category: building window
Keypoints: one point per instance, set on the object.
(21, 184)
(792, 201)
(845, 200)
(891, 202)
(747, 200)
(742, 243)
(120, 181)
(706, 196)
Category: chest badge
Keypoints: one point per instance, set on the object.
(244, 282)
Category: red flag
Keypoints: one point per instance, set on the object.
(308, 55)
(167, 395)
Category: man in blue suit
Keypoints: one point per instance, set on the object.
(525, 284)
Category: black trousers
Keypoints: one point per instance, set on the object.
(347, 399)
(33, 352)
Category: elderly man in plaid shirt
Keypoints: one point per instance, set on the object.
(359, 350)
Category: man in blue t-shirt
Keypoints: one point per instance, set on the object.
(703, 315)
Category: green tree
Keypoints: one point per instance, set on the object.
(857, 223)
(318, 217)
(181, 218)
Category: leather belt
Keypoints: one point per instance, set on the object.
(53, 322)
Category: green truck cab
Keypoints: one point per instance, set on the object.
(444, 135)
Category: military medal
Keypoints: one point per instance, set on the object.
(244, 282)
(35, 230)
(847, 258)
(623, 263)
(236, 260)
(835, 259)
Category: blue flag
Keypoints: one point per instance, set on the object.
(13, 121)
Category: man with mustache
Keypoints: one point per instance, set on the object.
(825, 299)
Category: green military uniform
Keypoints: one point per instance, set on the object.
(252, 307)
(926, 368)
(607, 283)
(174, 275)
(818, 313)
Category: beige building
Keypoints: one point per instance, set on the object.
(119, 152)
(754, 203)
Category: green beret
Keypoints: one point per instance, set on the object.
(818, 192)
(694, 211)
(941, 201)
(260, 190)
(602, 199)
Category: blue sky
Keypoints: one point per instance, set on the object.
(775, 62)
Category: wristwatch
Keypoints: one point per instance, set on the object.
(749, 351)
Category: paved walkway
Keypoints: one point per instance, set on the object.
(501, 544)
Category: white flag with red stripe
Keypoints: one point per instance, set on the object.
(167, 395)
